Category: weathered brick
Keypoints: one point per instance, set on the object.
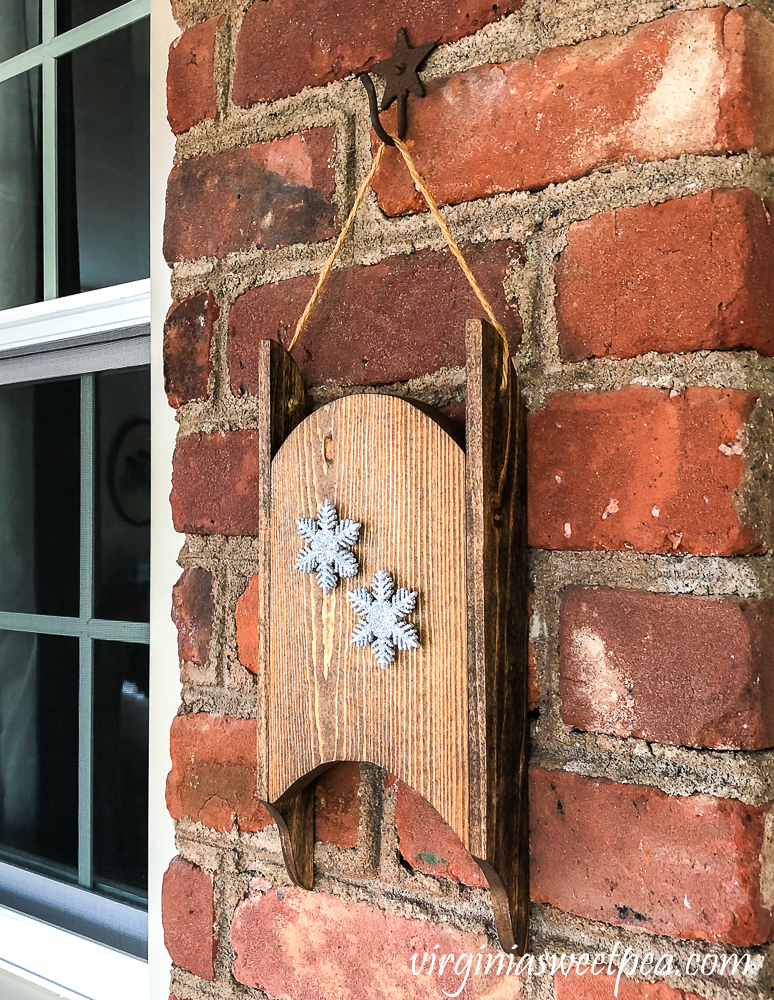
(246, 625)
(389, 322)
(601, 986)
(427, 842)
(692, 274)
(692, 867)
(748, 37)
(644, 469)
(192, 606)
(215, 483)
(695, 82)
(212, 781)
(214, 764)
(671, 668)
(533, 685)
(310, 945)
(187, 339)
(337, 805)
(281, 49)
(266, 195)
(188, 915)
(191, 93)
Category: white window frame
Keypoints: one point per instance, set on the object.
(72, 336)
(44, 56)
(67, 964)
(73, 319)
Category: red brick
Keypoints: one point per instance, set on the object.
(213, 776)
(187, 339)
(215, 483)
(427, 842)
(639, 468)
(697, 82)
(212, 781)
(192, 606)
(689, 275)
(672, 668)
(337, 805)
(191, 93)
(266, 195)
(748, 39)
(281, 49)
(600, 986)
(634, 856)
(389, 322)
(308, 945)
(188, 915)
(246, 625)
(533, 686)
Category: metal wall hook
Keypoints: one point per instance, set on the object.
(401, 77)
(373, 108)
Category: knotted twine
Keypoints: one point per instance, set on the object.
(421, 186)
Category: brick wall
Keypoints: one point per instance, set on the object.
(608, 169)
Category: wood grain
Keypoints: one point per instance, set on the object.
(448, 718)
(497, 630)
(294, 817)
(385, 463)
(281, 406)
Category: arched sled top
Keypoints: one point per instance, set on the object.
(381, 462)
(448, 717)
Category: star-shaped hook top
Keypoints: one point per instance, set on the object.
(400, 70)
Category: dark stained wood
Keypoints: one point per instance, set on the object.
(497, 630)
(449, 718)
(294, 816)
(383, 462)
(281, 406)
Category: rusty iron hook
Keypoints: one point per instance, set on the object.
(401, 78)
(373, 108)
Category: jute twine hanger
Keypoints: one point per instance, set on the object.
(452, 243)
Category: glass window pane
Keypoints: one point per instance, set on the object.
(104, 145)
(39, 750)
(40, 497)
(122, 577)
(20, 26)
(121, 766)
(70, 13)
(21, 191)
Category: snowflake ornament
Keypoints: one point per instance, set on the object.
(382, 626)
(328, 541)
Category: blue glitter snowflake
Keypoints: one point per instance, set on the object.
(382, 626)
(328, 541)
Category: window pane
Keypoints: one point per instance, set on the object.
(70, 13)
(40, 497)
(39, 749)
(21, 193)
(122, 576)
(104, 147)
(121, 765)
(20, 26)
